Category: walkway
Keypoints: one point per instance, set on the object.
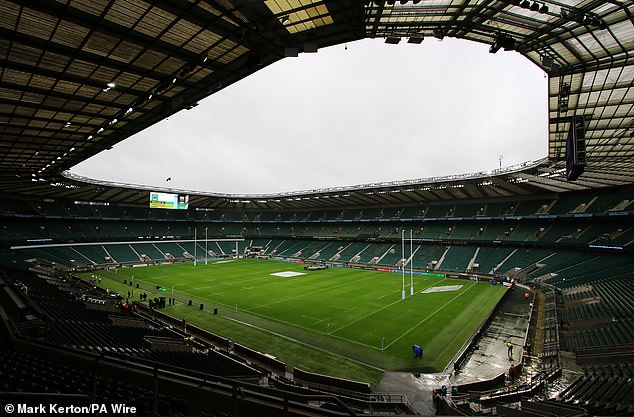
(487, 361)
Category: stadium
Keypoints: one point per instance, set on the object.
(506, 292)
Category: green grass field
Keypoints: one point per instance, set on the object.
(345, 322)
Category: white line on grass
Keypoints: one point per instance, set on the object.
(392, 293)
(289, 324)
(368, 315)
(430, 316)
(309, 345)
(203, 287)
(389, 293)
(249, 311)
(316, 320)
(222, 282)
(422, 281)
(281, 300)
(307, 329)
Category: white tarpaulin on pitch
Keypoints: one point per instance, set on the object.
(446, 288)
(287, 274)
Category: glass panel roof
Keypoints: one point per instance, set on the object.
(113, 68)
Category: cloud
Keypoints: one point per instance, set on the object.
(369, 113)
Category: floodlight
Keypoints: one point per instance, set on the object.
(547, 62)
(188, 69)
(502, 41)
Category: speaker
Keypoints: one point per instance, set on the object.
(576, 148)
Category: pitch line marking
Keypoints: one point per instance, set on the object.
(422, 281)
(389, 293)
(294, 324)
(367, 315)
(331, 334)
(312, 292)
(302, 328)
(202, 288)
(374, 312)
(307, 329)
(222, 282)
(310, 345)
(430, 316)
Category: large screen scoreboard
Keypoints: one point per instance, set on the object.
(168, 201)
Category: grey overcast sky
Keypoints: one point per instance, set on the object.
(367, 113)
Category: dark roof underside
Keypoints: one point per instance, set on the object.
(77, 77)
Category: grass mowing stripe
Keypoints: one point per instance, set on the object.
(272, 318)
(307, 308)
(282, 300)
(430, 316)
(193, 296)
(293, 351)
(372, 313)
(306, 344)
(311, 318)
(366, 316)
(250, 311)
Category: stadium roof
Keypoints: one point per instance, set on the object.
(520, 181)
(79, 76)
